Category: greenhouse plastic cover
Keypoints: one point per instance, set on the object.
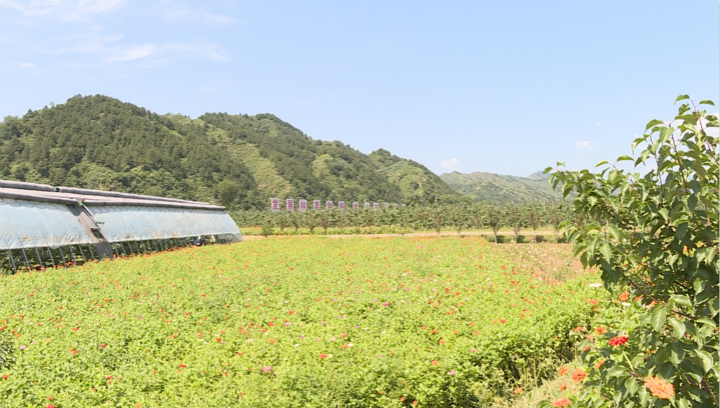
(130, 223)
(28, 224)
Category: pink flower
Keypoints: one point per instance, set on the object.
(452, 372)
(267, 369)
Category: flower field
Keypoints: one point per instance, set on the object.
(294, 322)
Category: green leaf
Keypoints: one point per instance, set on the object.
(601, 163)
(681, 98)
(706, 359)
(616, 371)
(631, 385)
(681, 300)
(678, 327)
(653, 123)
(615, 232)
(606, 252)
(625, 158)
(680, 231)
(657, 318)
(707, 102)
(677, 353)
(643, 396)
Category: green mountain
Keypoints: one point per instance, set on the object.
(237, 160)
(502, 189)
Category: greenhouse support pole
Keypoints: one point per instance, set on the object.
(25, 256)
(72, 255)
(63, 257)
(51, 257)
(40, 262)
(12, 261)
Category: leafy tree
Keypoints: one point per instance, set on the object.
(655, 238)
(228, 192)
(494, 220)
(514, 218)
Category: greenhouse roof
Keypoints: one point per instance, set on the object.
(38, 219)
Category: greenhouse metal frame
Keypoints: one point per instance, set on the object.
(45, 226)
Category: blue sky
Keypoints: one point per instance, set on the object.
(507, 87)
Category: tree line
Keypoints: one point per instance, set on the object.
(459, 216)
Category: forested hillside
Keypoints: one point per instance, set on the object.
(502, 189)
(237, 160)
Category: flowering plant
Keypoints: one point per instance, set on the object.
(655, 238)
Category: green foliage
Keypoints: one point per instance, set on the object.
(99, 142)
(656, 237)
(500, 189)
(228, 192)
(310, 322)
(460, 215)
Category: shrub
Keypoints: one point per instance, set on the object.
(655, 239)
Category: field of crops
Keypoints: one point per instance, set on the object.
(293, 322)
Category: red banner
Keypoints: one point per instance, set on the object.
(316, 204)
(290, 204)
(303, 205)
(274, 204)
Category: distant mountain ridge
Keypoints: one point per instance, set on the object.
(497, 188)
(238, 160)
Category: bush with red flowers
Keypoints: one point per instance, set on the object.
(654, 236)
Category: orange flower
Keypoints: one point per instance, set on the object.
(518, 390)
(563, 370)
(624, 296)
(600, 330)
(434, 362)
(578, 375)
(563, 386)
(561, 402)
(659, 387)
(598, 364)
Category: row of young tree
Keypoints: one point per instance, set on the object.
(460, 217)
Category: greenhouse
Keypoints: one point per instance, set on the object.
(46, 226)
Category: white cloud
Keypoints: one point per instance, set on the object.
(133, 53)
(218, 19)
(585, 144)
(209, 51)
(67, 10)
(25, 64)
(451, 164)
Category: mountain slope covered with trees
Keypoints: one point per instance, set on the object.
(500, 189)
(237, 160)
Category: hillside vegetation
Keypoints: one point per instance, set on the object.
(237, 160)
(502, 189)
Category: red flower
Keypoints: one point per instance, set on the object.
(618, 341)
(578, 375)
(323, 355)
(593, 301)
(579, 329)
(434, 362)
(561, 402)
(659, 387)
(624, 296)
